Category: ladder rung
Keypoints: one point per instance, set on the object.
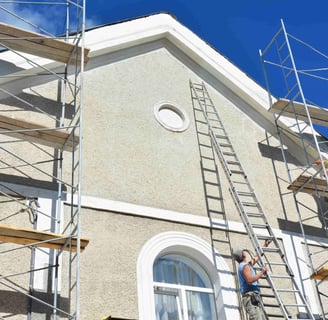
(237, 178)
(240, 182)
(216, 127)
(250, 204)
(298, 305)
(207, 158)
(211, 183)
(205, 145)
(201, 121)
(270, 315)
(221, 136)
(260, 237)
(213, 197)
(280, 276)
(209, 170)
(245, 193)
(259, 226)
(270, 249)
(228, 153)
(271, 305)
(225, 145)
(216, 211)
(281, 264)
(266, 295)
(255, 215)
(237, 163)
(237, 171)
(287, 290)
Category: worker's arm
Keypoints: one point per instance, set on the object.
(248, 274)
(255, 259)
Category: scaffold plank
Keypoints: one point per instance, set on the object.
(40, 45)
(321, 274)
(310, 185)
(51, 137)
(38, 238)
(290, 109)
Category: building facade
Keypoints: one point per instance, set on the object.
(154, 251)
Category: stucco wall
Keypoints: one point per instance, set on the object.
(109, 264)
(128, 156)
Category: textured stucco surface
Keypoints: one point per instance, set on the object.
(109, 265)
(129, 157)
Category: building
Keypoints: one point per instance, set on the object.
(158, 212)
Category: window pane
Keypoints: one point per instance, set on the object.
(166, 307)
(174, 271)
(200, 305)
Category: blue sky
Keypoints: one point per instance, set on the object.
(236, 28)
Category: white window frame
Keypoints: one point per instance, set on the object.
(182, 294)
(225, 293)
(180, 112)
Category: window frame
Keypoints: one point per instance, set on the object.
(180, 112)
(181, 243)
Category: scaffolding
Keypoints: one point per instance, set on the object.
(301, 120)
(41, 84)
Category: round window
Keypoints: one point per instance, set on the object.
(171, 117)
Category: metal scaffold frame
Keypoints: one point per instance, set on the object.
(41, 106)
(300, 115)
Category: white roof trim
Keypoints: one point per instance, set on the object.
(160, 26)
(115, 37)
(139, 31)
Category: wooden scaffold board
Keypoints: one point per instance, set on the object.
(39, 45)
(289, 109)
(51, 137)
(37, 238)
(310, 185)
(321, 274)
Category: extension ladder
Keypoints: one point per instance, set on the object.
(280, 295)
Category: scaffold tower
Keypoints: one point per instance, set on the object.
(42, 58)
(296, 75)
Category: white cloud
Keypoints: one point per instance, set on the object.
(41, 18)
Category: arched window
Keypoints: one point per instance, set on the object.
(178, 268)
(183, 290)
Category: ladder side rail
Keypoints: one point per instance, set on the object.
(248, 226)
(259, 250)
(242, 211)
(217, 177)
(236, 197)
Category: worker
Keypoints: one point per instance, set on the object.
(324, 163)
(248, 283)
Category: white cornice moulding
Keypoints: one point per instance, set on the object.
(131, 209)
(163, 26)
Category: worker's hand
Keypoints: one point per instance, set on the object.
(264, 270)
(267, 242)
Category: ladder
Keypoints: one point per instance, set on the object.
(214, 200)
(280, 294)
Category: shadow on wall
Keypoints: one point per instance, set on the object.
(14, 303)
(7, 67)
(37, 103)
(322, 203)
(291, 226)
(275, 154)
